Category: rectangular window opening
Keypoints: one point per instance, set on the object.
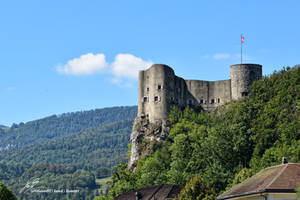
(145, 99)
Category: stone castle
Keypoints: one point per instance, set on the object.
(159, 88)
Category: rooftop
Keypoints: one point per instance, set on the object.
(280, 178)
(159, 192)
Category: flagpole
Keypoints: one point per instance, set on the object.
(241, 48)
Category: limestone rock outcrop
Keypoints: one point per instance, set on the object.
(144, 135)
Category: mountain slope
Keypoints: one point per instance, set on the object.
(43, 130)
(103, 146)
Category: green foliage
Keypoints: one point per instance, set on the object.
(76, 146)
(42, 130)
(298, 190)
(6, 193)
(241, 176)
(103, 172)
(55, 177)
(197, 189)
(103, 146)
(122, 181)
(102, 197)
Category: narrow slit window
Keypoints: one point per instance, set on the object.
(148, 89)
(218, 100)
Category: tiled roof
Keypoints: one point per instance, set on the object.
(280, 178)
(159, 192)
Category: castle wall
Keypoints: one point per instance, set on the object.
(160, 88)
(209, 94)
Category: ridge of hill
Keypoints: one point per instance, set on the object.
(42, 130)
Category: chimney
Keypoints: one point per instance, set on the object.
(284, 160)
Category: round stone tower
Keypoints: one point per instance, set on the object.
(155, 86)
(242, 76)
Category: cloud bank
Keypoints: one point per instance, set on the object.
(123, 66)
(84, 65)
(127, 65)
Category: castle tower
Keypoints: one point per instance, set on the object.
(242, 76)
(156, 86)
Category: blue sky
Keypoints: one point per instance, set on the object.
(64, 56)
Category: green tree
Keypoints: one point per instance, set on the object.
(197, 189)
(6, 193)
(298, 190)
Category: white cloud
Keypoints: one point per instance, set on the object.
(124, 68)
(219, 56)
(85, 64)
(127, 65)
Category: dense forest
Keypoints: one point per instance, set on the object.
(69, 151)
(92, 148)
(214, 151)
(43, 130)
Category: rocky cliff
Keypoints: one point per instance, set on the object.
(144, 135)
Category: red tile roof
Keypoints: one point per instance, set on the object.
(280, 178)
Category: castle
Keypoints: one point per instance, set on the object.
(159, 88)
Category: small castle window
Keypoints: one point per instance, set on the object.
(245, 94)
(212, 101)
(218, 100)
(148, 89)
(156, 99)
(190, 102)
(159, 87)
(145, 99)
(201, 101)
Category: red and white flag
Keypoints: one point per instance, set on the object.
(242, 39)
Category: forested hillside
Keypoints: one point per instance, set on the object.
(68, 151)
(223, 148)
(100, 146)
(43, 130)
